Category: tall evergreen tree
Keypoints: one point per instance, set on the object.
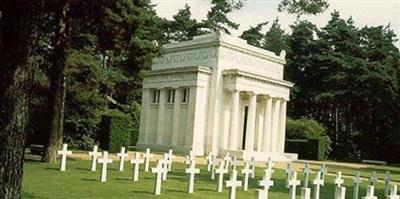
(18, 34)
(217, 18)
(253, 35)
(57, 87)
(275, 38)
(183, 27)
(301, 7)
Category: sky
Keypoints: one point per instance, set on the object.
(363, 12)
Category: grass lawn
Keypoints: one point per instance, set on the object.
(46, 181)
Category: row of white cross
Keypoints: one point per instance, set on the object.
(164, 165)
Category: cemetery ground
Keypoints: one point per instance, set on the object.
(46, 181)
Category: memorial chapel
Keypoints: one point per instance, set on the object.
(216, 92)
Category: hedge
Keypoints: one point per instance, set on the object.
(115, 130)
(309, 149)
(307, 138)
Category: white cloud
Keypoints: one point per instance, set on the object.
(364, 12)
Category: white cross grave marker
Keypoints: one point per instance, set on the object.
(191, 171)
(104, 161)
(338, 180)
(209, 160)
(221, 171)
(370, 193)
(387, 180)
(246, 171)
(95, 154)
(305, 191)
(234, 163)
(190, 158)
(253, 164)
(270, 165)
(170, 156)
(136, 161)
(64, 152)
(323, 171)
(393, 192)
(227, 159)
(266, 183)
(306, 172)
(292, 183)
(356, 185)
(165, 163)
(214, 164)
(318, 182)
(372, 179)
(233, 183)
(288, 170)
(158, 170)
(147, 157)
(340, 191)
(121, 155)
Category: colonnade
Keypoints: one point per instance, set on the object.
(272, 135)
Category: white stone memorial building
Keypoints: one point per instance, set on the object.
(215, 92)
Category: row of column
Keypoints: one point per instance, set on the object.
(274, 122)
(160, 128)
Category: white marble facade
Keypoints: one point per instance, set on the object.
(218, 93)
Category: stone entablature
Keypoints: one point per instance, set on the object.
(177, 77)
(235, 79)
(210, 50)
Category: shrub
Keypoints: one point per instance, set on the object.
(307, 138)
(116, 130)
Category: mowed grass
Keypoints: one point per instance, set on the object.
(46, 181)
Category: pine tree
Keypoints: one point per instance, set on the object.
(253, 35)
(183, 27)
(275, 38)
(18, 34)
(301, 7)
(217, 18)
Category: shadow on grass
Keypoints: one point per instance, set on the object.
(145, 192)
(52, 168)
(89, 180)
(83, 169)
(123, 179)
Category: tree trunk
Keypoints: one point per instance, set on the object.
(57, 85)
(17, 36)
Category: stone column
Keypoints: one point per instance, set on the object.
(234, 120)
(190, 117)
(176, 117)
(275, 125)
(282, 127)
(251, 121)
(144, 118)
(267, 124)
(161, 115)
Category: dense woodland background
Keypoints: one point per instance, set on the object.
(65, 65)
(346, 77)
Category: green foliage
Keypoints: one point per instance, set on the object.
(253, 35)
(301, 7)
(217, 18)
(133, 110)
(304, 129)
(116, 130)
(307, 138)
(347, 78)
(275, 38)
(183, 27)
(312, 149)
